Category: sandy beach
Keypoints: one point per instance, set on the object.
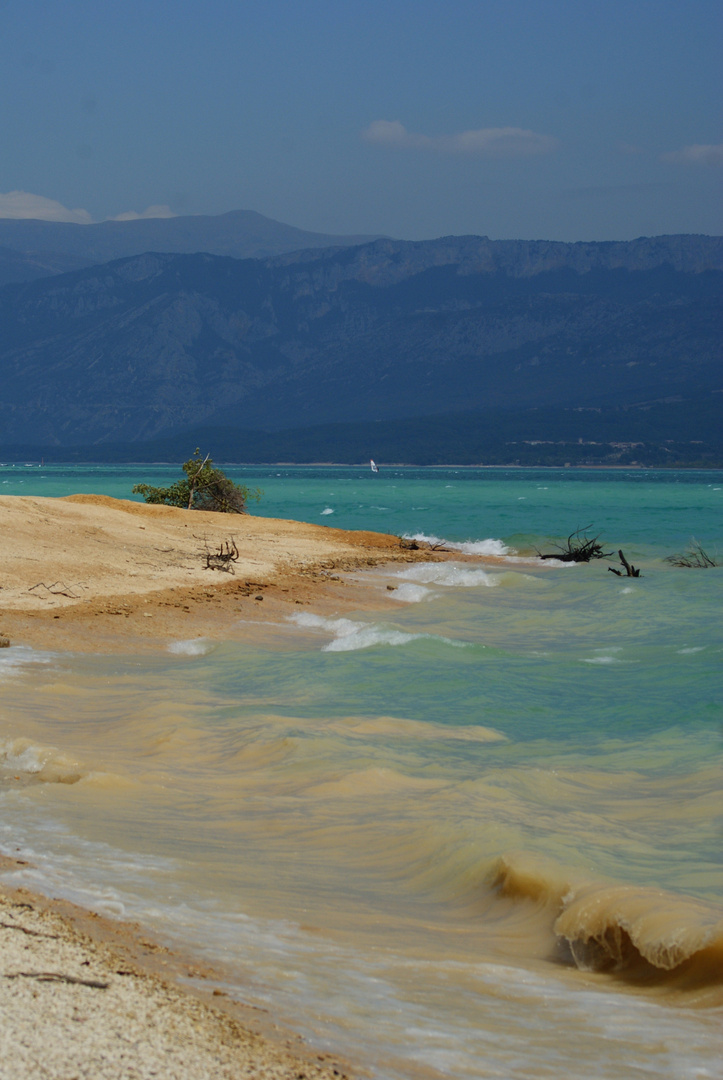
(82, 996)
(95, 574)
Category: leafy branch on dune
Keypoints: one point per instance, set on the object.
(202, 488)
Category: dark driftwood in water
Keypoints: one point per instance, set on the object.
(579, 548)
(408, 543)
(630, 571)
(695, 557)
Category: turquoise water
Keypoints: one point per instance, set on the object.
(473, 829)
(651, 508)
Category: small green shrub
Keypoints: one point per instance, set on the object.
(203, 488)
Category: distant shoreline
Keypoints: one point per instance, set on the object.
(633, 467)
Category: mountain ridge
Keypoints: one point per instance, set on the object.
(149, 346)
(240, 234)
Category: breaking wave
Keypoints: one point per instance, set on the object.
(614, 927)
(14, 658)
(191, 647)
(448, 574)
(409, 593)
(21, 759)
(469, 547)
(348, 635)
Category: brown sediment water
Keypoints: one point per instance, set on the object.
(341, 811)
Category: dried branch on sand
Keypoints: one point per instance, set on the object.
(224, 558)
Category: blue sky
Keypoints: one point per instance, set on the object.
(553, 119)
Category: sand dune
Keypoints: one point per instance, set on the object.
(93, 573)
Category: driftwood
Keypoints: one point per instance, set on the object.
(224, 558)
(58, 976)
(630, 571)
(24, 930)
(59, 588)
(408, 543)
(579, 548)
(695, 557)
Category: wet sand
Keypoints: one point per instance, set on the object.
(81, 995)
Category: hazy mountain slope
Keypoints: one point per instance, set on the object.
(656, 434)
(146, 346)
(22, 266)
(386, 262)
(241, 234)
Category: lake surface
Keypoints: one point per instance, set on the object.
(474, 833)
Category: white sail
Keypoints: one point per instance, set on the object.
(374, 468)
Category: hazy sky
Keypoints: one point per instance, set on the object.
(560, 119)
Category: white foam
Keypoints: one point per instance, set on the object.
(348, 636)
(192, 647)
(16, 657)
(410, 594)
(21, 757)
(450, 574)
(608, 656)
(490, 546)
(327, 511)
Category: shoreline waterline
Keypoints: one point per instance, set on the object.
(181, 619)
(322, 797)
(103, 994)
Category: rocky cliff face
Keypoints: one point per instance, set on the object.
(145, 346)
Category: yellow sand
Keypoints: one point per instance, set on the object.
(97, 574)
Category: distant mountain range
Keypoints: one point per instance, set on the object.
(459, 349)
(32, 249)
